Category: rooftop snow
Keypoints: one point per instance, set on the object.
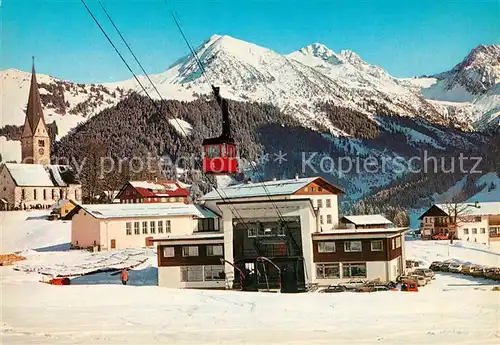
(359, 231)
(201, 235)
(248, 190)
(485, 208)
(368, 219)
(147, 210)
(41, 175)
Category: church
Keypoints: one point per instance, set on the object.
(35, 183)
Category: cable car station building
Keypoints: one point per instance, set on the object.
(278, 235)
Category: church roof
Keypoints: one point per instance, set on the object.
(37, 175)
(34, 111)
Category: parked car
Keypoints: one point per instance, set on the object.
(469, 269)
(380, 288)
(479, 271)
(427, 273)
(420, 280)
(334, 288)
(445, 266)
(435, 265)
(490, 272)
(440, 237)
(455, 268)
(353, 284)
(496, 275)
(409, 287)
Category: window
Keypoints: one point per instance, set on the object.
(44, 194)
(252, 232)
(321, 219)
(398, 242)
(160, 226)
(325, 271)
(34, 194)
(477, 219)
(152, 227)
(482, 230)
(326, 247)
(167, 226)
(190, 251)
(215, 250)
(144, 227)
(354, 270)
(168, 252)
(328, 203)
(466, 231)
(474, 231)
(320, 203)
(137, 230)
(329, 219)
(41, 143)
(281, 231)
(313, 189)
(192, 273)
(214, 273)
(128, 228)
(377, 246)
(320, 189)
(352, 246)
(61, 194)
(53, 194)
(208, 224)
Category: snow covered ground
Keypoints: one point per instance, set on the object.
(95, 309)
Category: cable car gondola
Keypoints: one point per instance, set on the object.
(220, 153)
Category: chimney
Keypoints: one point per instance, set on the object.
(156, 178)
(296, 177)
(274, 178)
(249, 180)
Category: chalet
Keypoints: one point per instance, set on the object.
(63, 208)
(476, 222)
(157, 191)
(35, 182)
(118, 226)
(287, 249)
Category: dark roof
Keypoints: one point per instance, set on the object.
(218, 140)
(34, 111)
(434, 211)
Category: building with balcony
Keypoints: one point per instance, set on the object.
(478, 222)
(271, 237)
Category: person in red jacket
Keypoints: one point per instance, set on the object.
(124, 276)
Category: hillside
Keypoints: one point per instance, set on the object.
(133, 128)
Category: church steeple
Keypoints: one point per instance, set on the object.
(35, 141)
(34, 111)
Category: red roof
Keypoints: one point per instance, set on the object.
(158, 188)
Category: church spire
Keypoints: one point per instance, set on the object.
(34, 111)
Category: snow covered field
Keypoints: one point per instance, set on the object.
(454, 309)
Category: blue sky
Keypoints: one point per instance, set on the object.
(404, 37)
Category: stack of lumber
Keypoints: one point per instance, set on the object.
(9, 259)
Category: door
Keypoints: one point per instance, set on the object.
(113, 244)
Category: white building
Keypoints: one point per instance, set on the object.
(119, 226)
(476, 222)
(279, 221)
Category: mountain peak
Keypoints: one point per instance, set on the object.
(321, 51)
(478, 72)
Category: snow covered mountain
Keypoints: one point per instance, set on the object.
(298, 83)
(65, 102)
(470, 90)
